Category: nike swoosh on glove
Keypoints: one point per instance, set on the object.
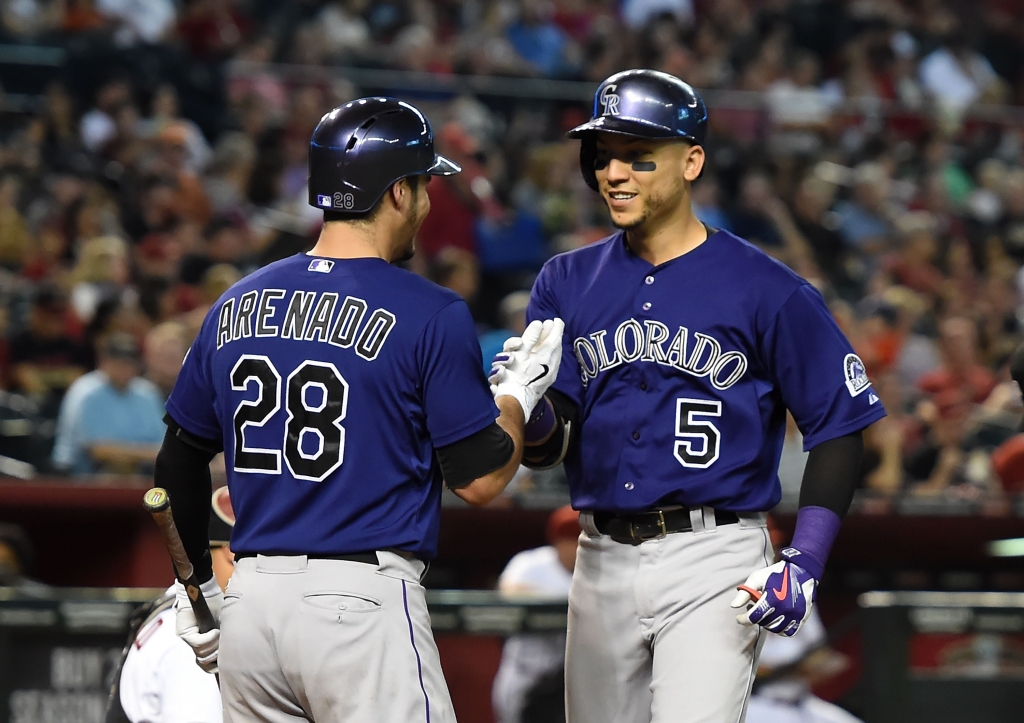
(782, 596)
(204, 645)
(529, 364)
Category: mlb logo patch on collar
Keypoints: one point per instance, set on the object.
(322, 266)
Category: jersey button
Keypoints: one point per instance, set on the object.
(636, 435)
(646, 306)
(649, 280)
(628, 485)
(643, 386)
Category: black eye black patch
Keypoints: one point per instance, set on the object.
(644, 165)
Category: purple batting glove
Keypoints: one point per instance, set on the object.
(782, 596)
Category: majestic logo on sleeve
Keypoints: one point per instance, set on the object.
(635, 341)
(609, 100)
(856, 375)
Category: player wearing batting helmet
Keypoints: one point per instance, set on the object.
(684, 348)
(343, 391)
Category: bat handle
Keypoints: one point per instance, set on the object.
(158, 502)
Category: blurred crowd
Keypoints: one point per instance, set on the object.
(164, 157)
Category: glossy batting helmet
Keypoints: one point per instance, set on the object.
(359, 149)
(644, 103)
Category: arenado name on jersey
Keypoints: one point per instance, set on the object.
(633, 341)
(308, 317)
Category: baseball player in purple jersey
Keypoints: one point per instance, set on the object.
(684, 346)
(342, 390)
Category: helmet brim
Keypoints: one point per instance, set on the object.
(627, 127)
(443, 167)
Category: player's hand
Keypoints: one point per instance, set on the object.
(529, 364)
(204, 645)
(782, 596)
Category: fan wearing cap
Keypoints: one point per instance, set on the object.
(116, 424)
(527, 658)
(344, 392)
(160, 681)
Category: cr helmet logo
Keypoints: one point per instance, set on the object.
(609, 100)
(856, 375)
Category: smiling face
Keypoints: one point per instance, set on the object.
(644, 181)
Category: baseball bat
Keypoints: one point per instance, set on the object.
(158, 502)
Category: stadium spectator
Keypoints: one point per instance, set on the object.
(163, 354)
(961, 380)
(45, 359)
(957, 75)
(118, 425)
(543, 45)
(862, 220)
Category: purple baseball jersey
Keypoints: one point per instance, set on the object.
(331, 382)
(682, 373)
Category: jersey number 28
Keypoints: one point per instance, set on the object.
(316, 397)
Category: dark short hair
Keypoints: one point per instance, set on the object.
(120, 345)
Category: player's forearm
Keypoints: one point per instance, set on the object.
(830, 479)
(485, 488)
(184, 471)
(548, 448)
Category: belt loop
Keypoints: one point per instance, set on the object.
(587, 523)
(697, 520)
(710, 523)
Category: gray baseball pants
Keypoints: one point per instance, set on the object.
(329, 641)
(651, 636)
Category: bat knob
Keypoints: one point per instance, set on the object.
(754, 594)
(156, 500)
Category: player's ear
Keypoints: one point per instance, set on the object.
(402, 191)
(693, 163)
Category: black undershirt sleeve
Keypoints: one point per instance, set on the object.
(547, 454)
(832, 473)
(183, 469)
(478, 454)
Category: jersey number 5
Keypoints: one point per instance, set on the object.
(316, 397)
(698, 447)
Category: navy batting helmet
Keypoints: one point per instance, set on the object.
(644, 103)
(359, 149)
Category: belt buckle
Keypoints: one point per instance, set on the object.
(661, 525)
(662, 530)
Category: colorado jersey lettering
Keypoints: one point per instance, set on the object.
(304, 365)
(680, 372)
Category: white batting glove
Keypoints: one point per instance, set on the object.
(204, 645)
(529, 364)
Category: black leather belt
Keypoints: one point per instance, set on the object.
(635, 527)
(370, 558)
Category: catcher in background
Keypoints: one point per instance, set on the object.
(159, 681)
